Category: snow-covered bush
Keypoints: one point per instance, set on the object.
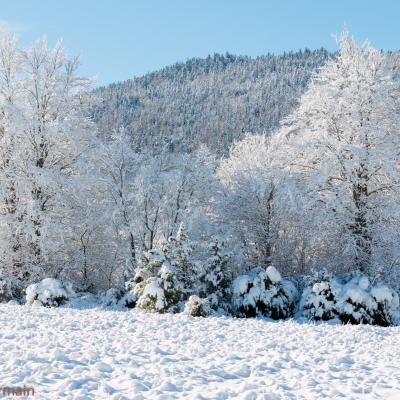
(264, 293)
(10, 288)
(215, 278)
(156, 291)
(153, 297)
(350, 299)
(136, 285)
(197, 307)
(319, 298)
(5, 290)
(116, 297)
(49, 292)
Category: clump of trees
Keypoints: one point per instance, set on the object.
(323, 192)
(98, 210)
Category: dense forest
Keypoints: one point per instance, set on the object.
(212, 101)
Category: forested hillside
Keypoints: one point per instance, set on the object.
(211, 101)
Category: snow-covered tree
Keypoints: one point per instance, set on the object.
(215, 276)
(44, 130)
(256, 207)
(118, 165)
(165, 277)
(169, 189)
(342, 146)
(247, 205)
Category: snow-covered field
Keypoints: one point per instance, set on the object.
(96, 354)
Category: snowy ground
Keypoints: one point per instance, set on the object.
(96, 354)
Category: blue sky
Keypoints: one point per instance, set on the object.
(121, 39)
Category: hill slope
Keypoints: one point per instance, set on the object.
(211, 101)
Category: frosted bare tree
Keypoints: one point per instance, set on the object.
(343, 145)
(44, 131)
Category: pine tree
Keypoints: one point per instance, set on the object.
(165, 276)
(216, 277)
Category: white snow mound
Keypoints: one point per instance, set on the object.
(273, 274)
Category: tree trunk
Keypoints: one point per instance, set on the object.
(360, 228)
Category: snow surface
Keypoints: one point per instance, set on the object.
(71, 353)
(273, 274)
